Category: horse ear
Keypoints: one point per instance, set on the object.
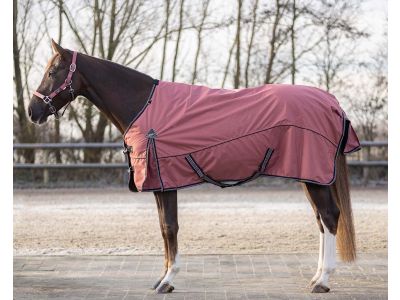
(58, 49)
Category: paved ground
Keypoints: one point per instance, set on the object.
(263, 242)
(278, 276)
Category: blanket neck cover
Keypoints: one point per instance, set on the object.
(189, 134)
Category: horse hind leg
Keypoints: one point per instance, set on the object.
(327, 216)
(321, 237)
(168, 215)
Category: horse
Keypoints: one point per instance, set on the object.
(121, 94)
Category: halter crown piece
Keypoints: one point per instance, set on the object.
(67, 83)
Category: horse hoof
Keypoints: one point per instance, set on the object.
(320, 289)
(165, 288)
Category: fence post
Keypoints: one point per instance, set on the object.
(366, 157)
(45, 176)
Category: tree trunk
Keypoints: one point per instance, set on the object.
(236, 82)
(26, 129)
(199, 40)
(272, 52)
(228, 63)
(327, 66)
(250, 46)
(196, 57)
(293, 38)
(178, 40)
(165, 38)
(57, 135)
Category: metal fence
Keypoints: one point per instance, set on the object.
(62, 146)
(368, 166)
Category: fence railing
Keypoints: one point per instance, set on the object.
(62, 146)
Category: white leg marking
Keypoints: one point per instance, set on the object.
(171, 273)
(320, 259)
(329, 261)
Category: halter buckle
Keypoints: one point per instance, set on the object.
(46, 99)
(72, 67)
(53, 110)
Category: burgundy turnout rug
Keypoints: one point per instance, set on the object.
(189, 134)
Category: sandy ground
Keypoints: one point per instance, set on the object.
(212, 221)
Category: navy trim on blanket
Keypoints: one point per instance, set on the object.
(355, 149)
(345, 135)
(148, 101)
(153, 143)
(131, 183)
(337, 150)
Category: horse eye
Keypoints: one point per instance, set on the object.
(51, 72)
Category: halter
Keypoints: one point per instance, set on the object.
(67, 83)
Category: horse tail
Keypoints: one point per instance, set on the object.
(345, 233)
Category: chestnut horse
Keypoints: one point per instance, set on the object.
(121, 93)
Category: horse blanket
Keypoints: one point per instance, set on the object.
(190, 134)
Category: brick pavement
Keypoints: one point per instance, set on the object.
(278, 276)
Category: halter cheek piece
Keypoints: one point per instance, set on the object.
(67, 84)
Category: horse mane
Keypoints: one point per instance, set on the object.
(113, 65)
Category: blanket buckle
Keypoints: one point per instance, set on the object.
(127, 150)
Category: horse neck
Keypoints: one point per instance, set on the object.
(119, 92)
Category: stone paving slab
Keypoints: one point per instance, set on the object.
(278, 276)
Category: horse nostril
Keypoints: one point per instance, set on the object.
(30, 112)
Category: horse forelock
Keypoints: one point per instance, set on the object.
(51, 61)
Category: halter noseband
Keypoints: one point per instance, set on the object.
(67, 83)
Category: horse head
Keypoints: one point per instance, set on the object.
(59, 85)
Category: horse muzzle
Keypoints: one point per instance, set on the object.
(37, 114)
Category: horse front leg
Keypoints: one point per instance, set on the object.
(161, 221)
(168, 217)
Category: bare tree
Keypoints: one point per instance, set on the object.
(25, 44)
(181, 11)
(199, 31)
(269, 41)
(228, 63)
(274, 22)
(57, 134)
(338, 27)
(251, 41)
(292, 40)
(369, 104)
(114, 31)
(301, 24)
(277, 39)
(236, 82)
(166, 33)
